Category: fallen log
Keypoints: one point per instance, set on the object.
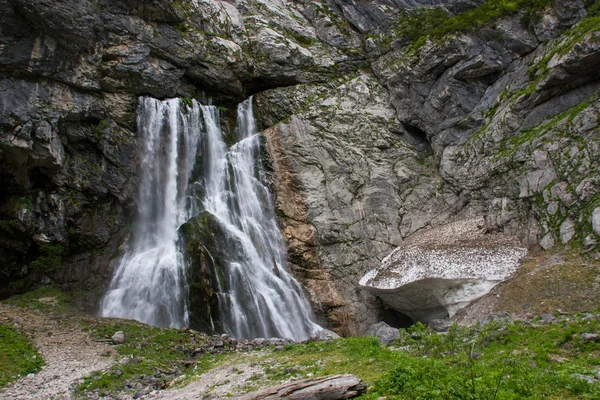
(332, 387)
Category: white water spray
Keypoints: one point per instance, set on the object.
(257, 296)
(148, 284)
(261, 298)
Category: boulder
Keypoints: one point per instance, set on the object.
(440, 325)
(382, 331)
(438, 271)
(596, 221)
(118, 337)
(326, 334)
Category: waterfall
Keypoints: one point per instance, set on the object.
(148, 283)
(257, 295)
(261, 298)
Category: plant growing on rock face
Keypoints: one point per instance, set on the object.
(187, 101)
(50, 258)
(421, 24)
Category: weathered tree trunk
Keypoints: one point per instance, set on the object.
(324, 388)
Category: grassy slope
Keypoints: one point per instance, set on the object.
(498, 360)
(17, 355)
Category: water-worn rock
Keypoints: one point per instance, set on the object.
(596, 221)
(589, 337)
(338, 185)
(326, 334)
(436, 272)
(440, 325)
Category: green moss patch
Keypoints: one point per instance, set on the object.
(17, 355)
(421, 24)
(44, 299)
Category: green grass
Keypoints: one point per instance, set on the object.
(509, 145)
(571, 37)
(17, 355)
(499, 360)
(155, 352)
(496, 361)
(363, 357)
(43, 299)
(421, 24)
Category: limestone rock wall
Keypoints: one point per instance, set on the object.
(70, 75)
(369, 140)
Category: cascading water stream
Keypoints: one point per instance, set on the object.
(257, 296)
(261, 298)
(148, 284)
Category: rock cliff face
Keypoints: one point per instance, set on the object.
(371, 138)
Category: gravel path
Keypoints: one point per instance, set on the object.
(215, 384)
(69, 352)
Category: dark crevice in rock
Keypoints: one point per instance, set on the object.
(258, 85)
(394, 318)
(40, 178)
(417, 137)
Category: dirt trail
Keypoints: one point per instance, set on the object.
(69, 352)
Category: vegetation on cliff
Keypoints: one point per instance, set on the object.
(421, 24)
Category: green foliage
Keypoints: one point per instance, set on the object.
(510, 144)
(17, 355)
(303, 41)
(594, 9)
(44, 299)
(496, 361)
(421, 24)
(98, 130)
(187, 102)
(571, 37)
(150, 349)
(50, 259)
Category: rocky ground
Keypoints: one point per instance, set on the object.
(548, 285)
(69, 351)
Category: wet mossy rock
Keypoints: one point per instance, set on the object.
(200, 236)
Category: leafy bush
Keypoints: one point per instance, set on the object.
(50, 259)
